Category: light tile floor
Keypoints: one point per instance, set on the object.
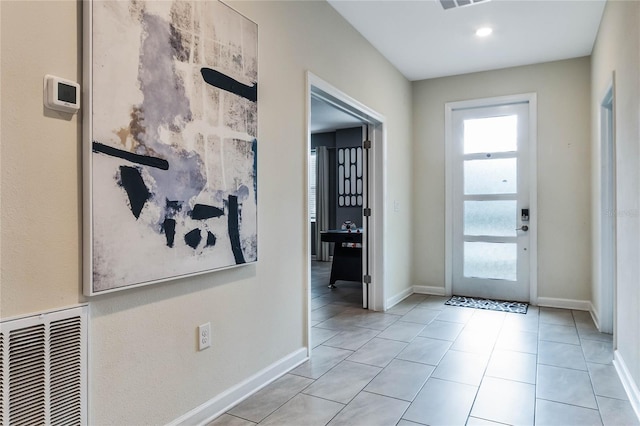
(424, 363)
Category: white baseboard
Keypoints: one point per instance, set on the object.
(551, 302)
(594, 315)
(223, 402)
(628, 383)
(392, 301)
(425, 289)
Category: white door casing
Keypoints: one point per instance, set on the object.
(376, 187)
(490, 180)
(606, 215)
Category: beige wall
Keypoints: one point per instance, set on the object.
(40, 161)
(617, 50)
(564, 243)
(144, 367)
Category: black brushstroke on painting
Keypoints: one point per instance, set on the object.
(193, 238)
(224, 82)
(203, 211)
(169, 228)
(173, 207)
(169, 225)
(234, 230)
(138, 193)
(143, 160)
(211, 239)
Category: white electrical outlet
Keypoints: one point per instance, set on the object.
(204, 336)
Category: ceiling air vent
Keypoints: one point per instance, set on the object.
(452, 4)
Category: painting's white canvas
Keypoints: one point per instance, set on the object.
(172, 138)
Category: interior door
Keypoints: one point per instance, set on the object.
(367, 134)
(491, 202)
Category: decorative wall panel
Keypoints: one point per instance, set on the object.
(350, 182)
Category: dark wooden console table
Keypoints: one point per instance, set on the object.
(347, 261)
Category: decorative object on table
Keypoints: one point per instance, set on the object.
(493, 305)
(170, 149)
(350, 172)
(349, 226)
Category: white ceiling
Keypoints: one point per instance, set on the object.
(328, 118)
(425, 41)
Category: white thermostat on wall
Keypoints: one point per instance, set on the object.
(61, 95)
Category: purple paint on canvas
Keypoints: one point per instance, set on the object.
(165, 104)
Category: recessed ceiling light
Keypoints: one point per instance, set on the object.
(484, 31)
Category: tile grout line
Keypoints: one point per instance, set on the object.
(484, 372)
(430, 376)
(593, 389)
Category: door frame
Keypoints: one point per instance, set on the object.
(319, 88)
(450, 107)
(606, 218)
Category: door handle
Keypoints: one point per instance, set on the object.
(523, 228)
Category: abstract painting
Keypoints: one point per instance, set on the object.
(350, 183)
(170, 157)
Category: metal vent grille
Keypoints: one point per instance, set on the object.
(27, 376)
(66, 377)
(452, 4)
(43, 369)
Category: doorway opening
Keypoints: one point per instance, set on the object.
(337, 184)
(607, 255)
(490, 198)
(345, 149)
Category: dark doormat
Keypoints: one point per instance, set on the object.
(493, 305)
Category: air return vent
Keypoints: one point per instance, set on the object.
(452, 4)
(43, 369)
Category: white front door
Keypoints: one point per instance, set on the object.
(491, 202)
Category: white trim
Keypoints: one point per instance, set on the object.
(378, 197)
(341, 100)
(377, 201)
(392, 301)
(87, 125)
(532, 100)
(219, 404)
(432, 290)
(307, 233)
(630, 386)
(605, 280)
(448, 200)
(49, 312)
(533, 196)
(576, 305)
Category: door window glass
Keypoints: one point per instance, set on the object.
(493, 134)
(490, 218)
(490, 260)
(496, 176)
